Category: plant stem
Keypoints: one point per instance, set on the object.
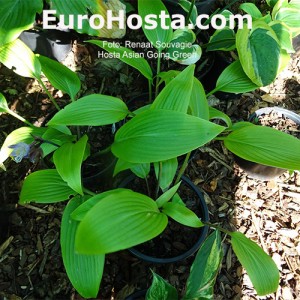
(12, 113)
(158, 180)
(87, 191)
(101, 152)
(48, 94)
(147, 185)
(182, 168)
(212, 92)
(150, 90)
(217, 227)
(189, 13)
(157, 72)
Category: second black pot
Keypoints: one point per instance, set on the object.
(204, 216)
(259, 171)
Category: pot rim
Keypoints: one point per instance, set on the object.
(203, 230)
(281, 112)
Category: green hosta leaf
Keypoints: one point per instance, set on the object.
(181, 214)
(284, 35)
(252, 10)
(23, 134)
(92, 110)
(223, 39)
(181, 49)
(60, 76)
(205, 268)
(57, 137)
(141, 170)
(3, 104)
(254, 47)
(68, 159)
(127, 56)
(168, 76)
(79, 213)
(266, 146)
(198, 103)
(260, 267)
(157, 36)
(158, 135)
(122, 165)
(177, 93)
(165, 197)
(17, 56)
(161, 289)
(234, 80)
(16, 16)
(165, 172)
(217, 114)
(92, 7)
(45, 186)
(84, 271)
(290, 17)
(119, 221)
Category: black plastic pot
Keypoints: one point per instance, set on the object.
(259, 171)
(99, 174)
(138, 295)
(54, 44)
(204, 215)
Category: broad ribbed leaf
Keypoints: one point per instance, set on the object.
(266, 146)
(252, 10)
(198, 103)
(161, 289)
(3, 104)
(165, 172)
(84, 271)
(157, 135)
(68, 159)
(16, 16)
(128, 56)
(234, 80)
(205, 268)
(92, 110)
(254, 47)
(79, 213)
(23, 134)
(61, 77)
(45, 186)
(223, 39)
(181, 214)
(260, 267)
(177, 93)
(119, 221)
(290, 17)
(17, 56)
(158, 36)
(92, 7)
